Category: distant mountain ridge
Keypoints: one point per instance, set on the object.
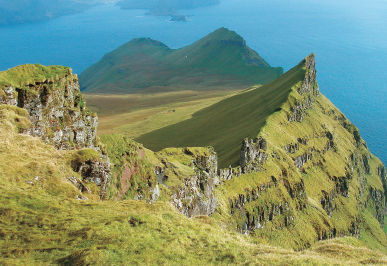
(220, 60)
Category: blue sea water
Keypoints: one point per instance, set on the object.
(349, 38)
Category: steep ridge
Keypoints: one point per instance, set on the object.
(220, 60)
(306, 176)
(224, 125)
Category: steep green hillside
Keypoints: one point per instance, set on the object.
(220, 60)
(43, 223)
(224, 125)
(306, 176)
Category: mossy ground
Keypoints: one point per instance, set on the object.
(42, 223)
(23, 75)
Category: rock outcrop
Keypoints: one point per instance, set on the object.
(253, 154)
(190, 174)
(57, 111)
(58, 114)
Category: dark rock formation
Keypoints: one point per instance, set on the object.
(196, 196)
(383, 176)
(309, 85)
(8, 96)
(309, 89)
(292, 148)
(96, 171)
(378, 199)
(328, 201)
(253, 154)
(229, 173)
(299, 161)
(260, 211)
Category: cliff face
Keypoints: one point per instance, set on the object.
(189, 176)
(186, 177)
(57, 113)
(307, 176)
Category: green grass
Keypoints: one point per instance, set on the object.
(136, 114)
(23, 75)
(132, 169)
(225, 124)
(40, 229)
(220, 60)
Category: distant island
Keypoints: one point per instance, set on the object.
(24, 11)
(27, 11)
(166, 7)
(180, 18)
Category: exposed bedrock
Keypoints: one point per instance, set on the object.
(60, 118)
(196, 195)
(253, 154)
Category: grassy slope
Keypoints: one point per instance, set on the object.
(220, 60)
(42, 223)
(224, 125)
(316, 174)
(136, 114)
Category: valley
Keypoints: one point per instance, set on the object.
(136, 114)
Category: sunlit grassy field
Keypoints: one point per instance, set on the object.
(136, 114)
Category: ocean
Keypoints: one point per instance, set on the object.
(348, 37)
